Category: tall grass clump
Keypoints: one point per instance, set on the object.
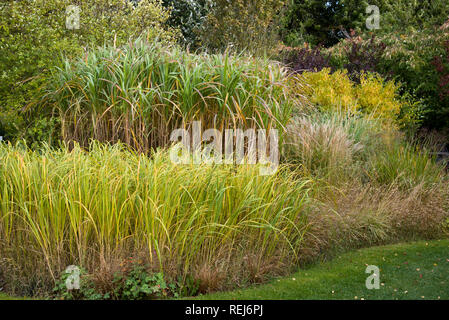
(140, 92)
(330, 144)
(371, 185)
(406, 165)
(335, 144)
(219, 225)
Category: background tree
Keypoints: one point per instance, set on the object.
(321, 21)
(244, 24)
(326, 21)
(188, 16)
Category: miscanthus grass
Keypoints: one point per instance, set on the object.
(141, 92)
(95, 208)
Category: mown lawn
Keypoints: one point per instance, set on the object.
(418, 270)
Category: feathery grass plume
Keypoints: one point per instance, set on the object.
(332, 143)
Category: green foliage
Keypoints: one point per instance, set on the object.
(321, 21)
(188, 16)
(86, 289)
(411, 15)
(138, 284)
(325, 22)
(133, 282)
(34, 38)
(409, 59)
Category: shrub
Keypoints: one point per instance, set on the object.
(321, 22)
(326, 22)
(409, 58)
(378, 98)
(411, 15)
(363, 57)
(356, 56)
(141, 92)
(189, 17)
(330, 91)
(248, 25)
(373, 97)
(305, 59)
(442, 66)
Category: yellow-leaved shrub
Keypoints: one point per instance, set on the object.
(330, 90)
(373, 96)
(378, 97)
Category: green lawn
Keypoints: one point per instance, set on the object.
(417, 270)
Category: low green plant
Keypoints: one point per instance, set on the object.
(86, 289)
(138, 284)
